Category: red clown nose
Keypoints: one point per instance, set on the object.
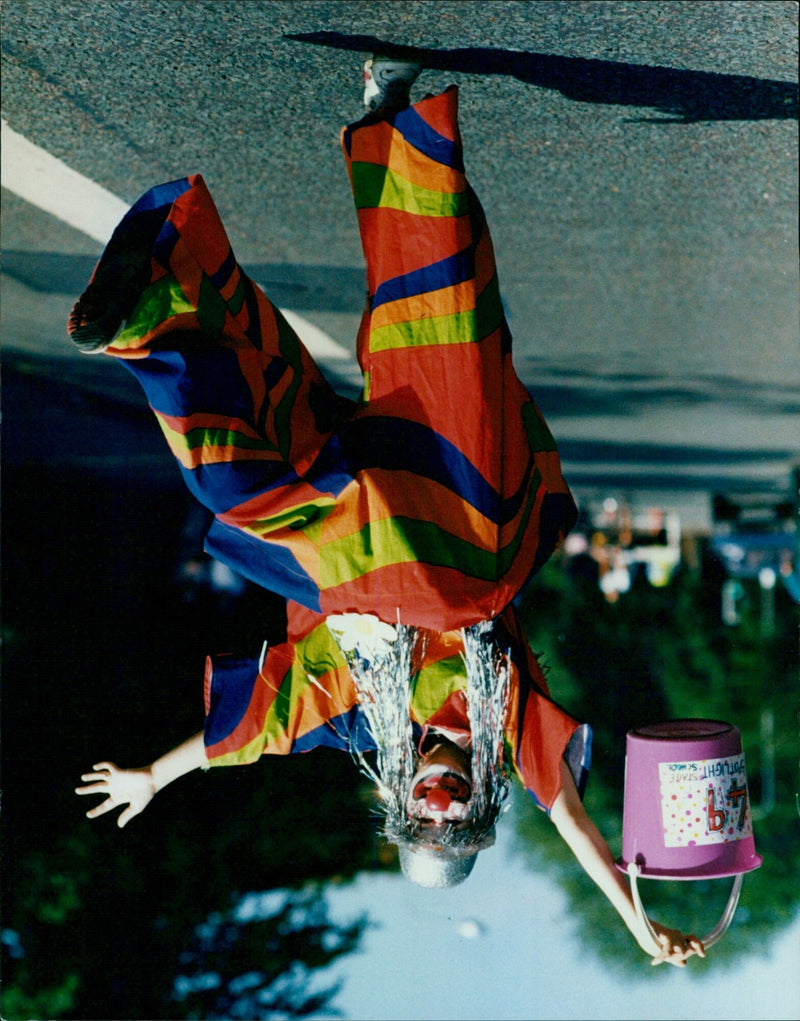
(437, 800)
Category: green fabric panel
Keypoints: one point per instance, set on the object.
(236, 300)
(400, 540)
(315, 654)
(159, 301)
(313, 530)
(305, 517)
(489, 310)
(213, 437)
(280, 712)
(377, 187)
(318, 652)
(539, 436)
(457, 328)
(248, 753)
(211, 310)
(435, 683)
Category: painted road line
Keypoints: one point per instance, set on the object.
(48, 183)
(33, 174)
(319, 343)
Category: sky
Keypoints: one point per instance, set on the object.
(503, 946)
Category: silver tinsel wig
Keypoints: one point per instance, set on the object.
(384, 678)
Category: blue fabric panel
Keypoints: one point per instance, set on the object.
(159, 196)
(400, 445)
(207, 380)
(455, 269)
(422, 136)
(232, 685)
(223, 486)
(165, 242)
(263, 563)
(223, 274)
(347, 732)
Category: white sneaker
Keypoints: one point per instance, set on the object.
(387, 83)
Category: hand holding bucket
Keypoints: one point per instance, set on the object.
(687, 809)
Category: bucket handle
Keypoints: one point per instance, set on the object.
(716, 933)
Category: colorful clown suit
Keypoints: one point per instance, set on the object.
(432, 500)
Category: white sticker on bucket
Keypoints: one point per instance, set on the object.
(704, 802)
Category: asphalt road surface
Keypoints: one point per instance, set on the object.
(637, 161)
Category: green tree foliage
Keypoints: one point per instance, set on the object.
(104, 659)
(261, 965)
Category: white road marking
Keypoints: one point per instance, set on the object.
(319, 343)
(43, 180)
(49, 184)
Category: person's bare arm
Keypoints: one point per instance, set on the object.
(594, 855)
(136, 788)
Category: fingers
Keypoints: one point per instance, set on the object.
(667, 957)
(127, 815)
(677, 951)
(129, 790)
(99, 781)
(689, 946)
(663, 953)
(101, 809)
(668, 952)
(95, 788)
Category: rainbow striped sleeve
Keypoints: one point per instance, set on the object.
(298, 696)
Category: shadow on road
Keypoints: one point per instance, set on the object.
(91, 416)
(684, 97)
(296, 286)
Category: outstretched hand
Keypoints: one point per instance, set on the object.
(676, 948)
(132, 787)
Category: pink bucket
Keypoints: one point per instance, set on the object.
(687, 808)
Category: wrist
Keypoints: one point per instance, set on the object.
(645, 939)
(181, 760)
(156, 777)
(637, 925)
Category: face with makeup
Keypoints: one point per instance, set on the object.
(441, 806)
(440, 792)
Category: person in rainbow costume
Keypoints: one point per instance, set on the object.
(399, 528)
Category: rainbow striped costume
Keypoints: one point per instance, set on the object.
(440, 493)
(300, 695)
(432, 500)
